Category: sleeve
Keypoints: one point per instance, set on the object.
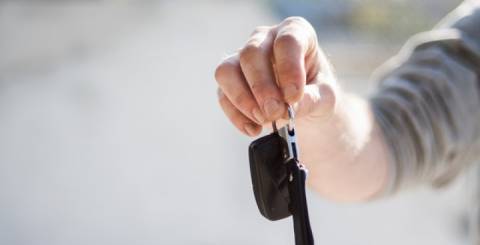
(428, 102)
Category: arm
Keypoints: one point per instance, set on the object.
(339, 140)
(428, 103)
(357, 149)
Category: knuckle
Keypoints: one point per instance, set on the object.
(263, 90)
(242, 100)
(287, 41)
(249, 52)
(224, 70)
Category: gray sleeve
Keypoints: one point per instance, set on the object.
(428, 101)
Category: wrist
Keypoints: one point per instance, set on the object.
(344, 151)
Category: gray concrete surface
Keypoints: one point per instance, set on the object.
(110, 133)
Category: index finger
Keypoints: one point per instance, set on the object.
(294, 41)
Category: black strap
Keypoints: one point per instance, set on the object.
(298, 205)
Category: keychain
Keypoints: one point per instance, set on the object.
(278, 179)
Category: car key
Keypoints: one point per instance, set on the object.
(278, 179)
(269, 175)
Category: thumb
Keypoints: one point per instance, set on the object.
(317, 102)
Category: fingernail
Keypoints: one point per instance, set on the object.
(271, 107)
(257, 114)
(290, 91)
(251, 129)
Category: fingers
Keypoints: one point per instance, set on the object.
(237, 118)
(256, 65)
(295, 41)
(276, 65)
(233, 84)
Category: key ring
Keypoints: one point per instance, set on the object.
(291, 120)
(288, 133)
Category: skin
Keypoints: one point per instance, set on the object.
(340, 142)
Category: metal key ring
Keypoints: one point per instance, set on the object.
(291, 120)
(288, 133)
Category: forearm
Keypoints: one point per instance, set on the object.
(422, 125)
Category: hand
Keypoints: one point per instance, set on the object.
(338, 138)
(279, 64)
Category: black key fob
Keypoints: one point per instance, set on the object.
(278, 179)
(269, 176)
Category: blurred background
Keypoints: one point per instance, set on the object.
(110, 132)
